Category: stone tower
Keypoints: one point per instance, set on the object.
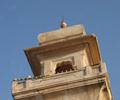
(67, 66)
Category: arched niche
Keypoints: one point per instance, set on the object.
(64, 66)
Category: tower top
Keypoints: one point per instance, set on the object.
(66, 62)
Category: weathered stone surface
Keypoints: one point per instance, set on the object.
(63, 33)
(91, 92)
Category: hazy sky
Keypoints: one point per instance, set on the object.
(22, 20)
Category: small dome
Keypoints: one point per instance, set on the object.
(63, 24)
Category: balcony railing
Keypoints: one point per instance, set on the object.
(56, 79)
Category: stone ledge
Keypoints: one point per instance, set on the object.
(82, 83)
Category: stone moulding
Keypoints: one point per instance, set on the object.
(33, 92)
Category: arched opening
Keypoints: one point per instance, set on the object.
(64, 66)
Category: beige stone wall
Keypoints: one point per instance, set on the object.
(92, 92)
(78, 56)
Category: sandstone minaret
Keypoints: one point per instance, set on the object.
(67, 66)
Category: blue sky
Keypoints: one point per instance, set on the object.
(22, 20)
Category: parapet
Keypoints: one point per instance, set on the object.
(60, 34)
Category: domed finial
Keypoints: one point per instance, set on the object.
(63, 24)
